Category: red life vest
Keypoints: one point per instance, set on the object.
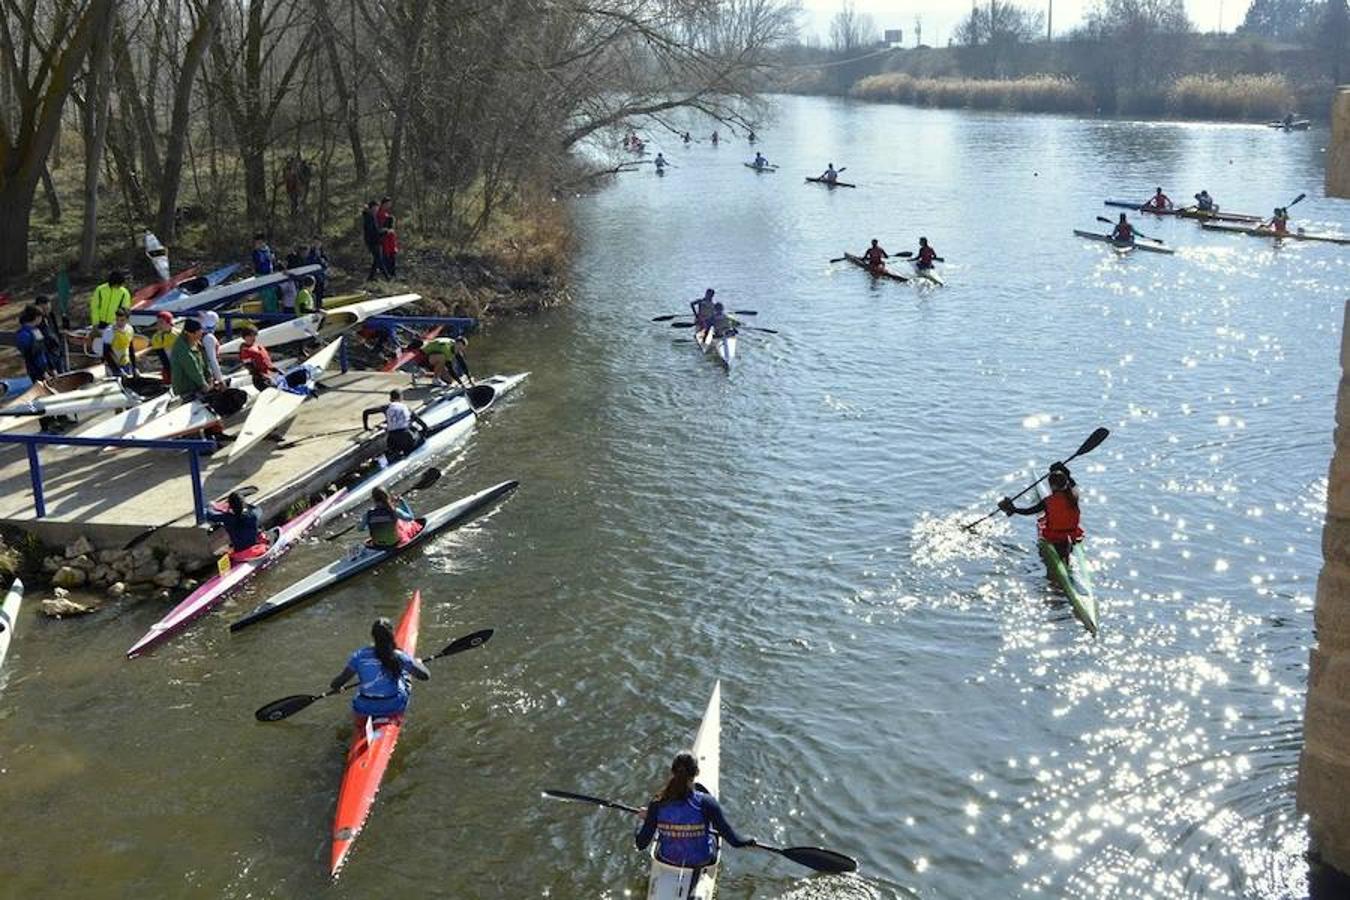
(1060, 522)
(926, 255)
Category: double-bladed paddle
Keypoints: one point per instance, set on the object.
(1137, 232)
(817, 858)
(1092, 442)
(735, 312)
(289, 706)
(745, 327)
(429, 477)
(247, 490)
(907, 254)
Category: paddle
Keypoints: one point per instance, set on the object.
(1137, 232)
(736, 312)
(1092, 442)
(289, 706)
(909, 253)
(285, 445)
(817, 858)
(753, 328)
(429, 477)
(247, 490)
(1298, 199)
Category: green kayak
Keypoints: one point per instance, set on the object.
(1075, 579)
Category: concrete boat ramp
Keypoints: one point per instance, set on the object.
(111, 496)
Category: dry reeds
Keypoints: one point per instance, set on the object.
(1033, 93)
(1230, 97)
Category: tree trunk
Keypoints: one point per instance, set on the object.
(95, 117)
(179, 123)
(53, 200)
(347, 102)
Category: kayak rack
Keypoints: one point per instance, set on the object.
(31, 442)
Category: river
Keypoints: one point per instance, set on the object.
(893, 688)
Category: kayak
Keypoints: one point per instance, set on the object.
(669, 882)
(450, 420)
(363, 556)
(1270, 233)
(216, 588)
(884, 273)
(1300, 125)
(1186, 212)
(831, 184)
(765, 170)
(1074, 579)
(220, 295)
(372, 746)
(9, 612)
(142, 415)
(725, 345)
(276, 406)
(147, 294)
(100, 396)
(188, 286)
(1107, 239)
(323, 325)
(158, 254)
(929, 274)
(403, 357)
(196, 415)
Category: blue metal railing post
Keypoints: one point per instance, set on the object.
(35, 473)
(198, 495)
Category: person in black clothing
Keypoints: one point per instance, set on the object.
(314, 256)
(370, 228)
(51, 338)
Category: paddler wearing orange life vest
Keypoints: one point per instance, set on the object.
(1158, 202)
(685, 821)
(1059, 512)
(1279, 222)
(923, 260)
(1123, 233)
(875, 257)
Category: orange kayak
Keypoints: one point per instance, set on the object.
(368, 757)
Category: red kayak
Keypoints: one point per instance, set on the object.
(369, 755)
(403, 357)
(148, 294)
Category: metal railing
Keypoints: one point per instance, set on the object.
(31, 442)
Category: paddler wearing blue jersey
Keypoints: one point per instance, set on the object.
(383, 671)
(243, 523)
(685, 820)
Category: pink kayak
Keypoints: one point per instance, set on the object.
(218, 587)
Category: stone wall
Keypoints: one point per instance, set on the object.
(1324, 768)
(1338, 153)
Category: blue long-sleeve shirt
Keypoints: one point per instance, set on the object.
(34, 350)
(243, 529)
(712, 815)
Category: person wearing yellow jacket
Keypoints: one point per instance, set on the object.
(119, 350)
(104, 302)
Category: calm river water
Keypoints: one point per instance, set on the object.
(893, 688)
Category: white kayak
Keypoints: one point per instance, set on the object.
(220, 295)
(364, 556)
(214, 590)
(98, 397)
(675, 882)
(323, 325)
(726, 349)
(9, 614)
(277, 406)
(451, 420)
(196, 415)
(158, 255)
(144, 414)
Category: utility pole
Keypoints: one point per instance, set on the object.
(1050, 21)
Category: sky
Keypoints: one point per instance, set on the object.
(940, 17)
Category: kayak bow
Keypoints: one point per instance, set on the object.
(1074, 578)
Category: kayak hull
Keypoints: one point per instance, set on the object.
(667, 882)
(369, 754)
(1107, 239)
(831, 184)
(277, 406)
(1074, 579)
(216, 589)
(9, 616)
(1269, 233)
(363, 556)
(1185, 212)
(884, 273)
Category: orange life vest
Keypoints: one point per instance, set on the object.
(1060, 522)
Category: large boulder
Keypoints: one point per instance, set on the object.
(80, 547)
(168, 578)
(69, 577)
(61, 606)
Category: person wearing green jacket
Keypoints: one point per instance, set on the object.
(187, 366)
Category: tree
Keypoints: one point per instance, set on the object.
(999, 22)
(1138, 19)
(851, 30)
(1333, 36)
(1279, 20)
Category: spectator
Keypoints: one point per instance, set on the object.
(389, 244)
(370, 227)
(51, 337)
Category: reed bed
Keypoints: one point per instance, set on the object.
(1231, 97)
(1033, 93)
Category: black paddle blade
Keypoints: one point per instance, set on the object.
(285, 707)
(429, 477)
(745, 312)
(1094, 441)
(819, 859)
(681, 324)
(468, 642)
(666, 318)
(586, 798)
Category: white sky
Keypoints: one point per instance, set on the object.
(940, 17)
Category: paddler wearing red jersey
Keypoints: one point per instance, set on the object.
(926, 255)
(875, 256)
(1060, 515)
(683, 819)
(1123, 233)
(1279, 222)
(1159, 200)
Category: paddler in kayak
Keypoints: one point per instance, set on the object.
(383, 671)
(162, 339)
(685, 820)
(761, 161)
(243, 523)
(1123, 233)
(703, 309)
(830, 175)
(399, 437)
(1279, 222)
(925, 257)
(1158, 202)
(1060, 526)
(875, 258)
(723, 324)
(119, 351)
(389, 522)
(660, 163)
(1205, 203)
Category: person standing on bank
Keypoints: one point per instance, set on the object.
(370, 230)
